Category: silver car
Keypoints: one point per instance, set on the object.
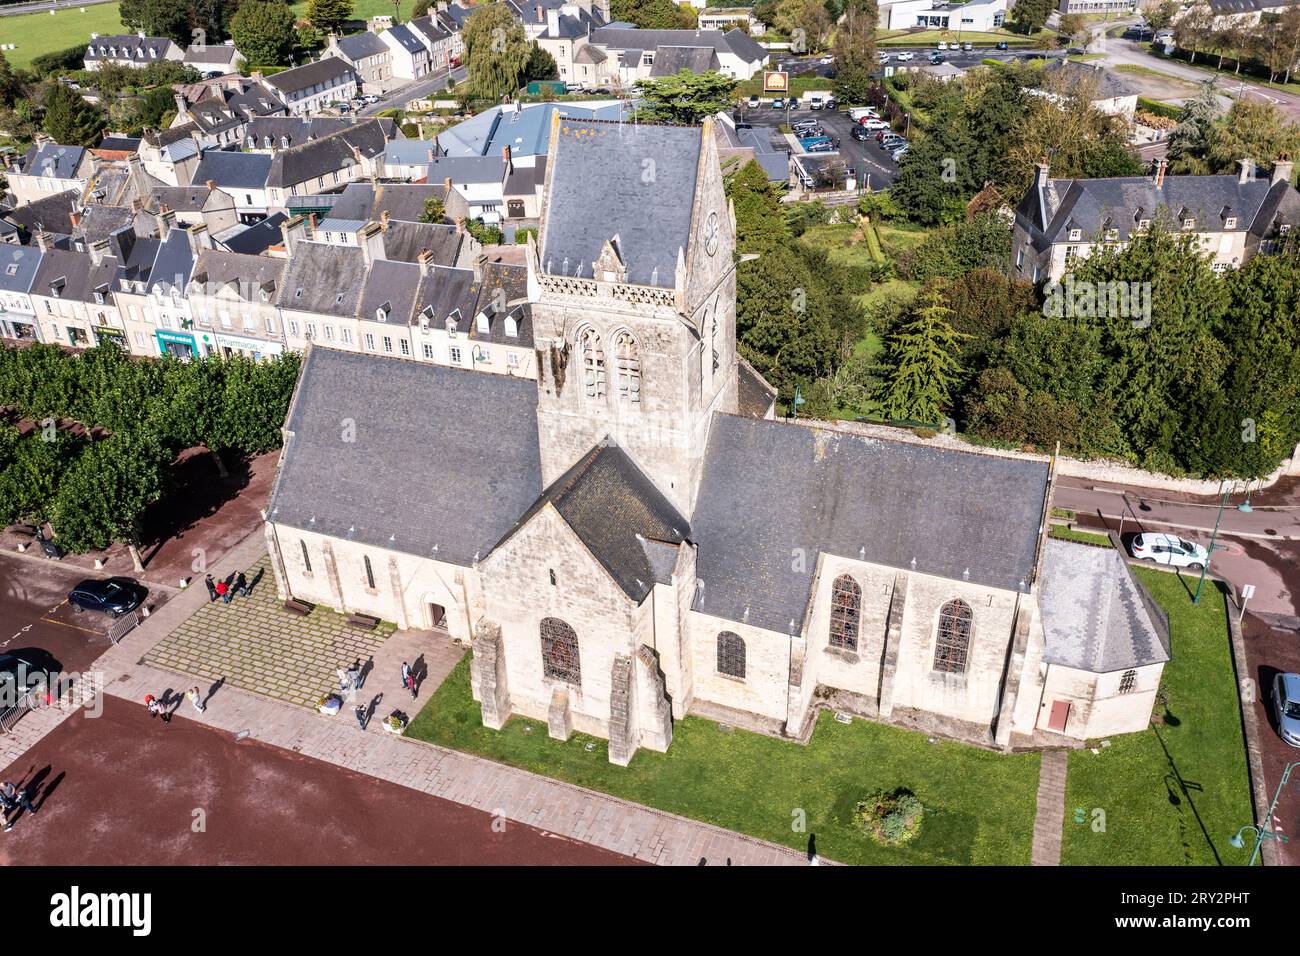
(1286, 706)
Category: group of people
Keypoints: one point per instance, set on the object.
(11, 799)
(226, 589)
(159, 707)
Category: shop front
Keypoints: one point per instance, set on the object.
(17, 325)
(179, 345)
(256, 349)
(106, 333)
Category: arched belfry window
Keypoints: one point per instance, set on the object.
(731, 654)
(1128, 682)
(629, 368)
(846, 613)
(593, 363)
(560, 651)
(953, 644)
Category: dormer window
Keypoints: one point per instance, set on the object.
(451, 325)
(1076, 235)
(297, 294)
(1144, 224)
(284, 142)
(11, 269)
(99, 298)
(1112, 235)
(484, 326)
(1230, 222)
(512, 327)
(1189, 224)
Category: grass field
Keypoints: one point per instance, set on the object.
(1176, 792)
(37, 33)
(979, 804)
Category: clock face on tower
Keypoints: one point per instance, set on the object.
(711, 233)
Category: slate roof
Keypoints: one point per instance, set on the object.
(323, 279)
(258, 237)
(18, 265)
(1109, 85)
(235, 170)
(329, 72)
(405, 241)
(447, 292)
(75, 275)
(166, 137)
(215, 54)
(526, 130)
(53, 161)
(406, 39)
(618, 513)
(175, 262)
(179, 198)
(433, 31)
(770, 487)
(410, 152)
(99, 222)
(1096, 614)
(754, 395)
(1050, 212)
(51, 213)
(444, 462)
(361, 45)
(467, 169)
(735, 42)
(299, 164)
(669, 60)
(129, 47)
(250, 274)
(392, 287)
(268, 131)
(121, 144)
(404, 201)
(504, 283)
(136, 256)
(596, 191)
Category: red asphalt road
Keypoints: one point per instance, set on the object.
(124, 788)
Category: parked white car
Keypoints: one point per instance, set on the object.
(942, 45)
(906, 55)
(1169, 549)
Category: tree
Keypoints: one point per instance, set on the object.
(921, 365)
(650, 14)
(760, 226)
(11, 87)
(1031, 15)
(687, 97)
(159, 18)
(263, 32)
(1190, 139)
(104, 494)
(420, 9)
(434, 210)
(1252, 129)
(1194, 28)
(1072, 30)
(1160, 15)
(810, 26)
(496, 51)
(540, 66)
(328, 16)
(855, 54)
(69, 119)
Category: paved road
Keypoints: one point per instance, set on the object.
(123, 788)
(867, 158)
(1260, 548)
(414, 90)
(18, 9)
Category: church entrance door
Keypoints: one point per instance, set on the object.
(437, 615)
(1060, 715)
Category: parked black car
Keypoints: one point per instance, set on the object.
(860, 134)
(114, 596)
(1001, 45)
(23, 672)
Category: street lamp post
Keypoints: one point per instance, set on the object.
(1262, 831)
(1209, 554)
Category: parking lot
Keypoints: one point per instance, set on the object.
(35, 612)
(874, 166)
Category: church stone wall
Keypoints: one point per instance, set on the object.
(405, 585)
(1097, 708)
(518, 594)
(765, 688)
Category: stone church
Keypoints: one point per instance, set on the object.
(633, 536)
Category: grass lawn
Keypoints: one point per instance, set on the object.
(979, 804)
(931, 37)
(1176, 792)
(838, 241)
(1083, 537)
(1139, 70)
(37, 33)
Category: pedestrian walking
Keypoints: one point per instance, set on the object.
(361, 717)
(241, 585)
(12, 797)
(354, 675)
(410, 684)
(228, 593)
(406, 675)
(222, 590)
(156, 708)
(345, 680)
(196, 699)
(212, 588)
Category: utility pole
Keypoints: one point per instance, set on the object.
(1209, 554)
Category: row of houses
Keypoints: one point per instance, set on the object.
(138, 50)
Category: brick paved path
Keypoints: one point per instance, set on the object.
(561, 808)
(1050, 818)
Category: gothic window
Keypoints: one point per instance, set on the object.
(306, 558)
(713, 339)
(560, 651)
(731, 654)
(953, 642)
(370, 573)
(846, 613)
(1128, 681)
(629, 368)
(593, 364)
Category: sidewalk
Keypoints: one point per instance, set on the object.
(561, 808)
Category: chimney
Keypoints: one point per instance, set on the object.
(98, 250)
(43, 240)
(383, 219)
(291, 232)
(1161, 166)
(553, 22)
(431, 156)
(371, 238)
(1043, 173)
(446, 184)
(1282, 169)
(200, 238)
(505, 155)
(210, 184)
(181, 105)
(312, 219)
(74, 218)
(479, 260)
(424, 260)
(460, 225)
(166, 219)
(1245, 170)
